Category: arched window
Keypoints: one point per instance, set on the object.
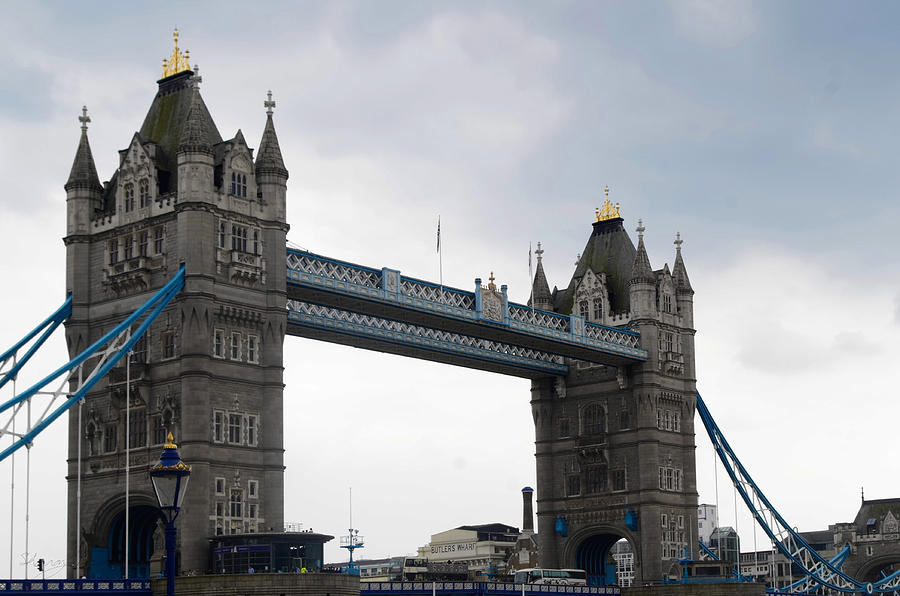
(583, 309)
(243, 185)
(233, 183)
(598, 309)
(144, 186)
(129, 197)
(593, 420)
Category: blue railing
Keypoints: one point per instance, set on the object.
(75, 586)
(478, 588)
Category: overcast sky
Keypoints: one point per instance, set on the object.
(765, 133)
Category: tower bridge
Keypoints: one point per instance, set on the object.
(610, 356)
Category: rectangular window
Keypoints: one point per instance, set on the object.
(168, 343)
(129, 247)
(564, 428)
(137, 429)
(251, 511)
(239, 238)
(252, 349)
(665, 520)
(617, 478)
(234, 429)
(680, 521)
(221, 234)
(109, 438)
(573, 486)
(667, 303)
(159, 430)
(667, 419)
(237, 498)
(143, 240)
(595, 480)
(218, 426)
(256, 242)
(253, 489)
(251, 430)
(676, 422)
(220, 486)
(219, 343)
(113, 247)
(670, 342)
(158, 240)
(235, 346)
(220, 509)
(659, 420)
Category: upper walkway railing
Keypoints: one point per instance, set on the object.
(486, 306)
(480, 588)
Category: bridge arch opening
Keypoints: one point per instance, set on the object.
(879, 568)
(598, 555)
(109, 561)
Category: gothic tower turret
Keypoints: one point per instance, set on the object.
(271, 175)
(540, 289)
(83, 189)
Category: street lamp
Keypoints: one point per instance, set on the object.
(170, 478)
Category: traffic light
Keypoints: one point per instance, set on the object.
(40, 564)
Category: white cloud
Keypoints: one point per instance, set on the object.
(714, 23)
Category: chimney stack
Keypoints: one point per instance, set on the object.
(527, 511)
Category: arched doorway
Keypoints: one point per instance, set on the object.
(594, 554)
(142, 522)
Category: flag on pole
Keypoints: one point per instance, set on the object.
(439, 234)
(530, 281)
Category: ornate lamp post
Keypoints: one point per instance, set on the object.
(170, 478)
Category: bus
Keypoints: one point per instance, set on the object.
(563, 577)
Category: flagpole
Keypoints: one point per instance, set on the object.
(531, 282)
(440, 260)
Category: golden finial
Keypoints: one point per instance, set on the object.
(170, 440)
(491, 284)
(608, 211)
(177, 62)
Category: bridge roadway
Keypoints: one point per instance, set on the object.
(381, 310)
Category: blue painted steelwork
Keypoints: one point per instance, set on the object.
(152, 308)
(312, 273)
(804, 585)
(75, 586)
(819, 572)
(49, 326)
(706, 549)
(478, 588)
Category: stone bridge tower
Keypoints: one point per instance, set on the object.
(210, 368)
(615, 445)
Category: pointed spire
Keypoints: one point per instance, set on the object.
(641, 272)
(540, 289)
(682, 283)
(194, 136)
(269, 160)
(84, 172)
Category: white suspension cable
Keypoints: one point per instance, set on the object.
(12, 494)
(716, 523)
(27, 489)
(127, 452)
(78, 491)
(736, 531)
